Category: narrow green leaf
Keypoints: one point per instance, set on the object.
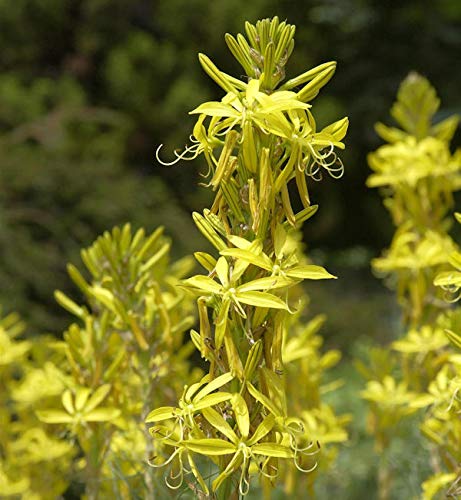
(137, 239)
(77, 278)
(115, 363)
(150, 243)
(253, 359)
(104, 296)
(68, 304)
(311, 89)
(206, 260)
(215, 74)
(191, 390)
(305, 214)
(156, 258)
(308, 75)
(239, 242)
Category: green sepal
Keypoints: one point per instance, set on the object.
(261, 299)
(218, 422)
(267, 283)
(241, 414)
(54, 416)
(309, 272)
(215, 384)
(264, 400)
(272, 450)
(262, 430)
(160, 414)
(211, 400)
(203, 283)
(211, 446)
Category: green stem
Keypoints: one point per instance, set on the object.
(384, 479)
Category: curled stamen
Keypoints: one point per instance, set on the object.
(182, 156)
(328, 160)
(163, 464)
(218, 131)
(263, 130)
(449, 292)
(167, 164)
(307, 471)
(244, 483)
(195, 150)
(262, 468)
(315, 172)
(210, 170)
(169, 434)
(325, 153)
(303, 451)
(282, 160)
(172, 486)
(318, 153)
(295, 425)
(339, 169)
(180, 469)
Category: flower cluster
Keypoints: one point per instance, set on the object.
(259, 138)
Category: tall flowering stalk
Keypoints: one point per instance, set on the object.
(442, 425)
(33, 462)
(259, 138)
(125, 346)
(418, 175)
